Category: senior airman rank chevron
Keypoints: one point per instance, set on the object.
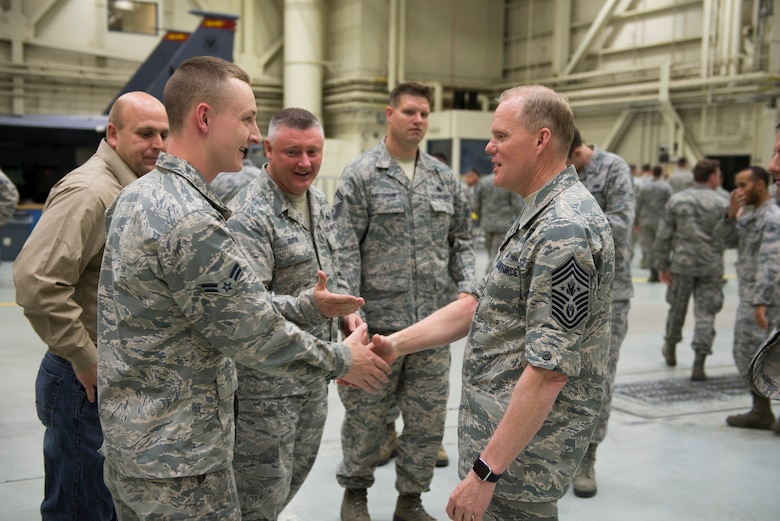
(570, 293)
(226, 286)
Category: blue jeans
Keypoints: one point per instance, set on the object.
(73, 484)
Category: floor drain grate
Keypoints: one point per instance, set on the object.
(681, 390)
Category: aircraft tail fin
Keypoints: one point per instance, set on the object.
(156, 62)
(213, 37)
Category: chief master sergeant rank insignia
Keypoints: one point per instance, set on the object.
(570, 293)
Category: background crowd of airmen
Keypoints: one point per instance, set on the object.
(404, 273)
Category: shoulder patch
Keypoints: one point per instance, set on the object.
(570, 293)
(226, 286)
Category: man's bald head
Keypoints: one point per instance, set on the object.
(138, 130)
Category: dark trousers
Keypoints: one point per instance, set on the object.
(73, 486)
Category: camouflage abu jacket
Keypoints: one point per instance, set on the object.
(546, 302)
(177, 300)
(404, 244)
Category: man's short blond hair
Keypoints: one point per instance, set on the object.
(544, 108)
(198, 80)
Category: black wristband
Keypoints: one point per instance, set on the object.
(484, 472)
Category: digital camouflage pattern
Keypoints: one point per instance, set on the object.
(227, 185)
(650, 203)
(617, 334)
(9, 198)
(764, 370)
(404, 244)
(755, 233)
(210, 497)
(497, 208)
(608, 178)
(707, 295)
(280, 418)
(680, 180)
(546, 302)
(177, 303)
(685, 243)
(687, 246)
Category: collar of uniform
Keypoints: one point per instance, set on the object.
(543, 196)
(594, 165)
(279, 201)
(123, 173)
(168, 164)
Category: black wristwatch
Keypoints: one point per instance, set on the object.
(484, 472)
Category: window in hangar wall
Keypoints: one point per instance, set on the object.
(472, 154)
(132, 17)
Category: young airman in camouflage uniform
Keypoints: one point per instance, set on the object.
(535, 363)
(689, 258)
(752, 224)
(650, 203)
(404, 229)
(608, 177)
(284, 226)
(681, 178)
(178, 302)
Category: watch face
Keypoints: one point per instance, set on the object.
(484, 472)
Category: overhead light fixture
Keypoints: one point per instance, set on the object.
(124, 5)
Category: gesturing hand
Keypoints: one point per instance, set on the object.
(334, 304)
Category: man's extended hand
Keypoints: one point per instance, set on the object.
(383, 347)
(665, 277)
(88, 380)
(334, 304)
(368, 371)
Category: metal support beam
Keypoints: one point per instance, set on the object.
(270, 53)
(596, 27)
(615, 136)
(41, 12)
(561, 34)
(681, 140)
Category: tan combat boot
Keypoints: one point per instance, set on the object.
(585, 477)
(776, 426)
(409, 508)
(389, 447)
(698, 374)
(442, 460)
(669, 355)
(759, 417)
(354, 506)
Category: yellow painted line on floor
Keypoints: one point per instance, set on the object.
(7, 304)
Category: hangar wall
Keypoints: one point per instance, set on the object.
(695, 77)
